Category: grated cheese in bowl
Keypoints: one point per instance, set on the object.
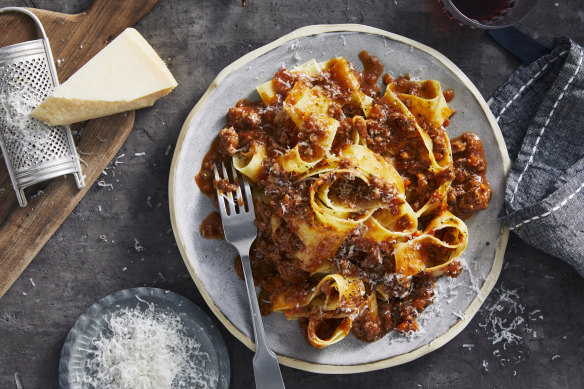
(146, 348)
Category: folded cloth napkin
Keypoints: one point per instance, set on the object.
(540, 110)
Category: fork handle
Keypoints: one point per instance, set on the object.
(265, 364)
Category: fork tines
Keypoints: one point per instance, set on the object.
(229, 191)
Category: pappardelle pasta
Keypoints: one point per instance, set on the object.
(359, 195)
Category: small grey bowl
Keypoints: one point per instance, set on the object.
(80, 340)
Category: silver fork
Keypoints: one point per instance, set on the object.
(237, 215)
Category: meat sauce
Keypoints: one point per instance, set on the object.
(212, 227)
(470, 192)
(386, 132)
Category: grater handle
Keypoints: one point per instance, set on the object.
(45, 39)
(21, 197)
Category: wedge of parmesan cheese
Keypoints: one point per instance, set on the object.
(126, 75)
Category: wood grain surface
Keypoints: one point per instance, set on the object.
(74, 40)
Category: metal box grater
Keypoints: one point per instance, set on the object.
(33, 151)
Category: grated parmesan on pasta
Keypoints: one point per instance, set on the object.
(143, 349)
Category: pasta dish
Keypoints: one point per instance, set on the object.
(359, 195)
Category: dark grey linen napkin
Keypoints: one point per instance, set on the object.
(540, 110)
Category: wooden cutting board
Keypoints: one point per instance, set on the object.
(74, 40)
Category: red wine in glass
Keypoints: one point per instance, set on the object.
(488, 13)
(483, 10)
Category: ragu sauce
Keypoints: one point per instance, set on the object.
(212, 227)
(386, 132)
(448, 95)
(204, 178)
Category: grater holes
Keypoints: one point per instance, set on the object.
(33, 151)
(33, 74)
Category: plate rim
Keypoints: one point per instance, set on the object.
(491, 278)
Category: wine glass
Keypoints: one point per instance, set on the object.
(488, 14)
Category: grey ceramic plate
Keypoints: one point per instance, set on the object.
(86, 330)
(210, 262)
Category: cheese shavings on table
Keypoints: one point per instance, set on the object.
(143, 349)
(126, 75)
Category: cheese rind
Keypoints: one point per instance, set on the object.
(126, 75)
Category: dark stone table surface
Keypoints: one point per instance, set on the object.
(198, 38)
